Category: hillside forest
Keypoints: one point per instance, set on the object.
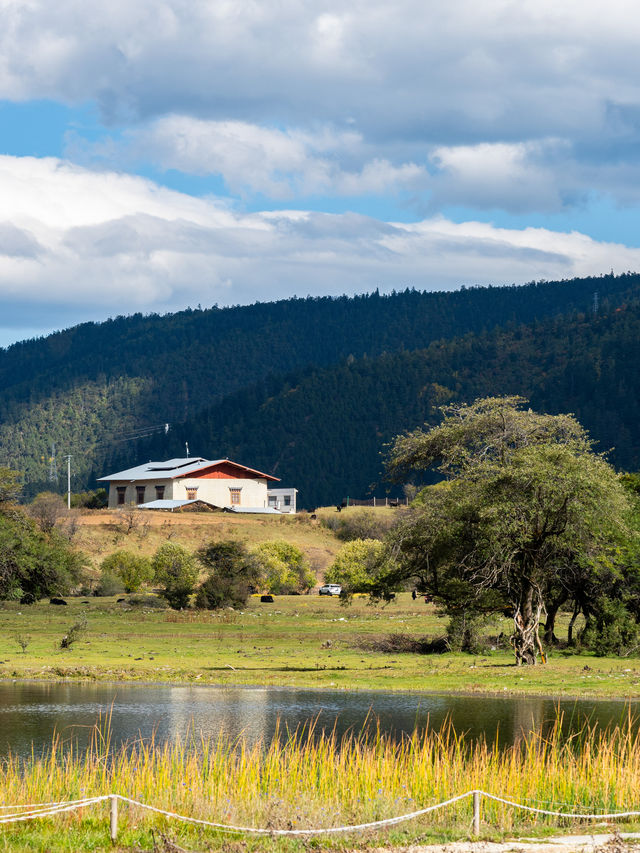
(312, 390)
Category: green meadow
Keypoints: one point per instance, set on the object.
(301, 641)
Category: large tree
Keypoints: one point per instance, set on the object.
(526, 515)
(34, 564)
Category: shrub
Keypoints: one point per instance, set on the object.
(463, 632)
(34, 564)
(75, 632)
(612, 631)
(46, 508)
(358, 524)
(96, 499)
(133, 570)
(109, 584)
(284, 568)
(234, 574)
(355, 565)
(176, 570)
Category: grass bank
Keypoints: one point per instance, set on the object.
(297, 783)
(100, 533)
(298, 641)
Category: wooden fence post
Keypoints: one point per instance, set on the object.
(476, 812)
(113, 819)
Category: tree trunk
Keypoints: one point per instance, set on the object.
(550, 623)
(526, 623)
(572, 622)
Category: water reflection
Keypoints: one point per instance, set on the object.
(31, 712)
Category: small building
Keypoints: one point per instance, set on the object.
(221, 483)
(284, 500)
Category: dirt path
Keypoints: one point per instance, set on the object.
(616, 843)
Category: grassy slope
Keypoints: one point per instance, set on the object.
(103, 532)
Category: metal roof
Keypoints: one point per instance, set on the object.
(173, 468)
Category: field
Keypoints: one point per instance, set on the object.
(302, 641)
(306, 640)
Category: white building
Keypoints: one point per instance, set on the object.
(220, 483)
(284, 500)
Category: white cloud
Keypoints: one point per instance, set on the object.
(526, 106)
(281, 164)
(516, 176)
(487, 70)
(77, 244)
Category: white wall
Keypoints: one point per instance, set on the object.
(216, 491)
(276, 498)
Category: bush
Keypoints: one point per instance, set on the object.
(46, 508)
(358, 524)
(151, 602)
(133, 570)
(32, 563)
(109, 584)
(356, 565)
(96, 499)
(233, 575)
(463, 632)
(176, 570)
(284, 568)
(75, 632)
(613, 630)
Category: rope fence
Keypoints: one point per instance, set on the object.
(38, 810)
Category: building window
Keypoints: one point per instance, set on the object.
(235, 496)
(159, 493)
(192, 493)
(140, 494)
(287, 500)
(273, 500)
(121, 490)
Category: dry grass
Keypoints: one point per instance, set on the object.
(300, 781)
(102, 532)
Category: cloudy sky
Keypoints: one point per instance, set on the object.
(156, 154)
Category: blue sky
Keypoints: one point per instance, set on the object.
(156, 154)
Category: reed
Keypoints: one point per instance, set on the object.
(312, 778)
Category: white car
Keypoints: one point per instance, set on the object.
(330, 589)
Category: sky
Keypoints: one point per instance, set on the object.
(159, 154)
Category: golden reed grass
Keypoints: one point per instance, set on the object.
(307, 778)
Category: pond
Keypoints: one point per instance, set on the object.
(31, 712)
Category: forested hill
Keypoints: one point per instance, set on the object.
(323, 429)
(88, 389)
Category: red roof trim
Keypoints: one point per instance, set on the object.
(225, 462)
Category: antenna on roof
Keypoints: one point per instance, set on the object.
(186, 444)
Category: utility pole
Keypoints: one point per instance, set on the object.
(68, 458)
